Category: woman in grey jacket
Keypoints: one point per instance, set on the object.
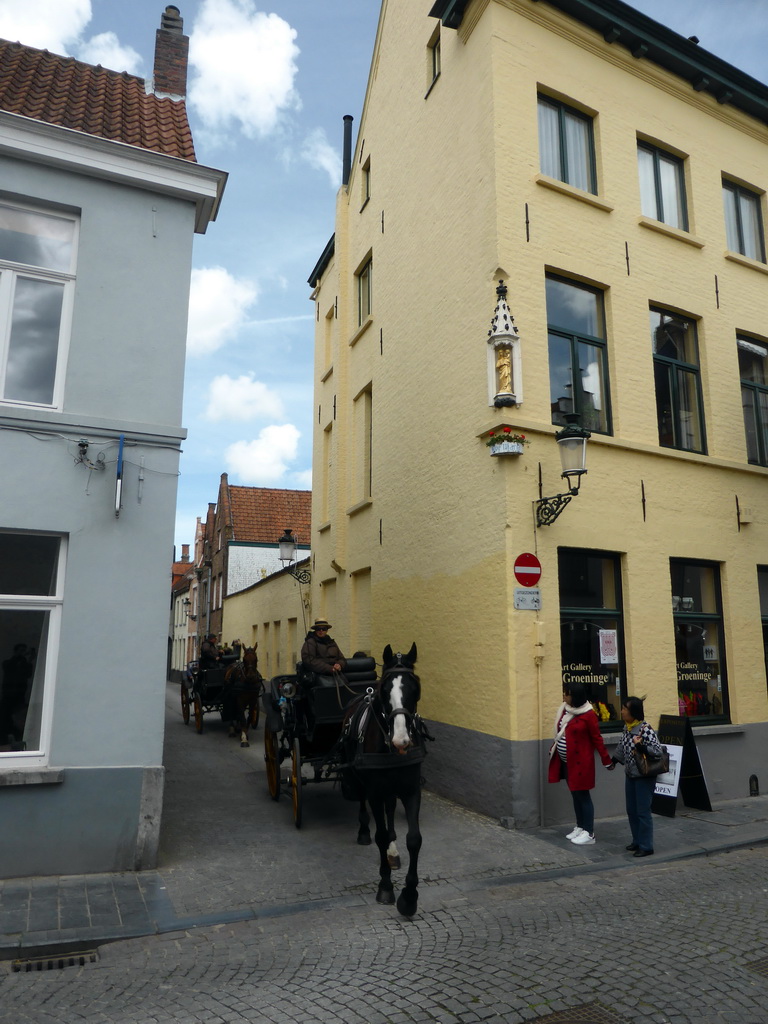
(638, 789)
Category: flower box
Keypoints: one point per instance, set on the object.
(507, 448)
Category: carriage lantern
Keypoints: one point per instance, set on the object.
(572, 444)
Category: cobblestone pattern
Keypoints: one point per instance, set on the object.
(500, 955)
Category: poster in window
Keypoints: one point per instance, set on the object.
(609, 648)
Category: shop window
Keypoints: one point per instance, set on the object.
(753, 370)
(662, 186)
(37, 256)
(743, 221)
(578, 358)
(762, 581)
(31, 579)
(566, 145)
(699, 640)
(591, 627)
(678, 384)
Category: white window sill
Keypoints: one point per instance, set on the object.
(670, 232)
(354, 509)
(574, 193)
(746, 261)
(30, 776)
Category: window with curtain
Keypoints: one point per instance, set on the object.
(566, 145)
(662, 186)
(743, 221)
(578, 359)
(678, 384)
(753, 370)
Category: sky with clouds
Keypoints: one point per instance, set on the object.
(269, 84)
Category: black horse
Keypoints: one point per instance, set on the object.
(383, 738)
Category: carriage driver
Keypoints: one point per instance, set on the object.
(209, 652)
(320, 652)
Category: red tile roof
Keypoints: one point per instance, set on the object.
(67, 92)
(261, 514)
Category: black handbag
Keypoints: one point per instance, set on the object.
(649, 767)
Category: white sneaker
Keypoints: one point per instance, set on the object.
(585, 839)
(575, 832)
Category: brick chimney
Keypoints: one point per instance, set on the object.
(171, 50)
(185, 552)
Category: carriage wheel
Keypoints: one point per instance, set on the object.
(296, 783)
(270, 759)
(198, 713)
(185, 704)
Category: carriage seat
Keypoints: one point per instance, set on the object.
(327, 696)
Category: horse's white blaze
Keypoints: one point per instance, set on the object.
(400, 737)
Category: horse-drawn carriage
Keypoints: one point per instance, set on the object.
(233, 688)
(359, 730)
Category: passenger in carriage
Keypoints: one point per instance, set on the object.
(320, 652)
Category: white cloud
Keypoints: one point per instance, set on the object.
(241, 398)
(303, 480)
(46, 24)
(218, 303)
(106, 49)
(319, 153)
(264, 462)
(244, 65)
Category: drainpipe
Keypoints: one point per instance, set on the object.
(346, 162)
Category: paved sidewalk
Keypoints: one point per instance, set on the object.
(229, 853)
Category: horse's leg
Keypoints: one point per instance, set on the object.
(363, 819)
(244, 715)
(409, 896)
(393, 857)
(386, 892)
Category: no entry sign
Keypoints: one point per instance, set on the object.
(527, 569)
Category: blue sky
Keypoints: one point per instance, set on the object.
(269, 85)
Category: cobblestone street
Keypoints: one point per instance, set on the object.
(659, 941)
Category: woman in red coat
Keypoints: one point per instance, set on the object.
(572, 757)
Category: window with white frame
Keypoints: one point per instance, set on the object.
(364, 291)
(31, 585)
(37, 263)
(662, 186)
(743, 221)
(753, 370)
(566, 145)
(434, 57)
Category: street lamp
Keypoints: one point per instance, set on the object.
(287, 545)
(572, 443)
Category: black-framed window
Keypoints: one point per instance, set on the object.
(662, 186)
(566, 144)
(697, 614)
(743, 221)
(762, 583)
(591, 627)
(753, 371)
(679, 409)
(578, 355)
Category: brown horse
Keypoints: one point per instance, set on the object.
(244, 686)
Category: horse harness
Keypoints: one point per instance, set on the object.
(369, 707)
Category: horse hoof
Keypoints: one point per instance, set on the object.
(244, 743)
(232, 733)
(394, 862)
(405, 907)
(385, 896)
(364, 839)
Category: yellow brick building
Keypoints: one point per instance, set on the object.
(612, 174)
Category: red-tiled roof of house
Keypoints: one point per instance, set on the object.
(110, 104)
(261, 514)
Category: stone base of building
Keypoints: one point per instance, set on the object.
(76, 821)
